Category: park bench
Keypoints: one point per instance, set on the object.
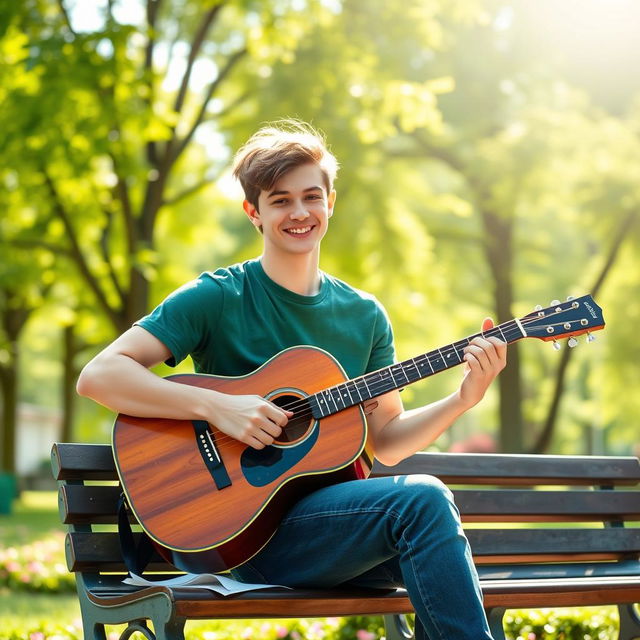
(587, 552)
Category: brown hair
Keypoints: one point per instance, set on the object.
(276, 149)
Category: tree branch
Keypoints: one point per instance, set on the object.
(65, 15)
(231, 62)
(76, 251)
(544, 437)
(233, 104)
(189, 191)
(30, 243)
(104, 247)
(153, 8)
(122, 193)
(196, 45)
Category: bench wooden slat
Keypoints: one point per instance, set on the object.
(511, 469)
(78, 461)
(276, 603)
(95, 504)
(514, 505)
(520, 593)
(73, 461)
(92, 504)
(101, 551)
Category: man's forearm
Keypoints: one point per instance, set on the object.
(415, 429)
(125, 386)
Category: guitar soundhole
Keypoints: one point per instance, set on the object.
(299, 424)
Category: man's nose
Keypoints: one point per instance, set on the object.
(299, 211)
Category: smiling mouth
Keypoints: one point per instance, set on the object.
(299, 231)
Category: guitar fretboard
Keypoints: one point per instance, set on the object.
(396, 376)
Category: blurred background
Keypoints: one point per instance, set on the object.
(490, 161)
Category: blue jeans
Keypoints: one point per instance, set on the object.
(402, 531)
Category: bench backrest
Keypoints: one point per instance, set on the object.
(585, 509)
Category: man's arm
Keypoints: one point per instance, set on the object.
(119, 378)
(397, 433)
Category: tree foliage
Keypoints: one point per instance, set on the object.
(479, 174)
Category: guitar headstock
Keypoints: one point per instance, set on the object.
(564, 319)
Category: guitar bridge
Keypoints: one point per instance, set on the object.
(210, 454)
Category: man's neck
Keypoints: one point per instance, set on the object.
(299, 274)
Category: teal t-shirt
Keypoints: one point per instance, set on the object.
(231, 321)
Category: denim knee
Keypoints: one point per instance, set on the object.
(426, 495)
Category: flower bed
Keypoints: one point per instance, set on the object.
(37, 567)
(563, 624)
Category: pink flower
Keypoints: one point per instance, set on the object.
(363, 634)
(531, 636)
(281, 632)
(36, 635)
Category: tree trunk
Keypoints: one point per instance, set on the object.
(69, 375)
(499, 252)
(9, 384)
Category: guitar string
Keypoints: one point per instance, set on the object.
(378, 388)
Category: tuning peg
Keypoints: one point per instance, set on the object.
(590, 337)
(572, 342)
(554, 303)
(538, 307)
(556, 345)
(570, 298)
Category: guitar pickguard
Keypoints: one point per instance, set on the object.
(260, 467)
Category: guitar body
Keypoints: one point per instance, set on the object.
(213, 510)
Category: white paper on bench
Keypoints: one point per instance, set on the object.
(214, 582)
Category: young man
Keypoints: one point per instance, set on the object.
(402, 531)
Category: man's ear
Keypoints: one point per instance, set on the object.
(252, 213)
(331, 200)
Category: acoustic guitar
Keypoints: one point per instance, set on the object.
(212, 502)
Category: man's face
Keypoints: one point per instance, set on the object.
(294, 214)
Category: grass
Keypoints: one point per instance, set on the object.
(35, 515)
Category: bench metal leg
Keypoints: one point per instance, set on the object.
(495, 616)
(397, 628)
(93, 630)
(137, 626)
(170, 630)
(629, 622)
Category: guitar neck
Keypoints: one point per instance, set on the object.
(396, 376)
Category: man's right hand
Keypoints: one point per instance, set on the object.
(248, 418)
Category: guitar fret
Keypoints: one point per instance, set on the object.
(355, 386)
(437, 362)
(388, 382)
(335, 393)
(348, 393)
(328, 396)
(425, 360)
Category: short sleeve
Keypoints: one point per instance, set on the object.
(383, 351)
(185, 319)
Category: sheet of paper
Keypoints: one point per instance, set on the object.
(213, 582)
